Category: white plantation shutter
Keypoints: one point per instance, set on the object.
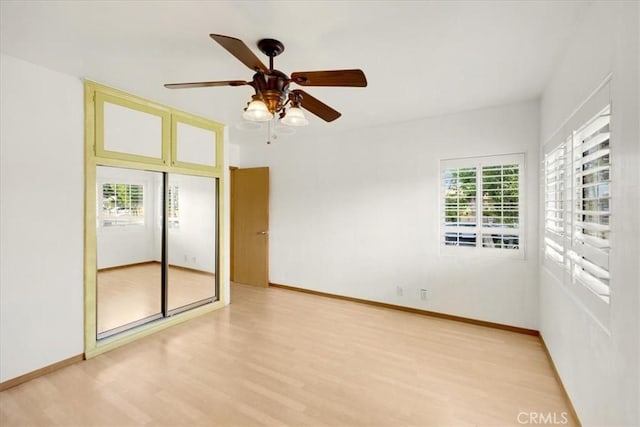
(173, 206)
(554, 204)
(460, 206)
(481, 202)
(501, 206)
(578, 210)
(591, 205)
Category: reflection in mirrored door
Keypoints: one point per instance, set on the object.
(191, 240)
(129, 248)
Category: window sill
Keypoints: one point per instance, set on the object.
(482, 252)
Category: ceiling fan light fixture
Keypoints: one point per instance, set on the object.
(294, 117)
(257, 111)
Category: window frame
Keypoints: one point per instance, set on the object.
(479, 229)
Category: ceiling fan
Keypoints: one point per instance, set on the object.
(272, 93)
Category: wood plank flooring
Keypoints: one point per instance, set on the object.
(130, 293)
(276, 357)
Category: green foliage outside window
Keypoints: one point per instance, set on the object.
(498, 188)
(500, 196)
(460, 196)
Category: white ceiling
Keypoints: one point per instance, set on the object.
(420, 58)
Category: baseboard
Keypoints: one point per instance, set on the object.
(40, 372)
(191, 270)
(135, 264)
(559, 380)
(413, 310)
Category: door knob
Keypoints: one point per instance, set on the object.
(263, 232)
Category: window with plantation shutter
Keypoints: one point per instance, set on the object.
(577, 206)
(173, 206)
(591, 205)
(481, 203)
(122, 205)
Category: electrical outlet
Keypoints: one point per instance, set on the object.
(423, 294)
(399, 291)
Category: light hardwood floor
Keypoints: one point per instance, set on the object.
(130, 293)
(277, 357)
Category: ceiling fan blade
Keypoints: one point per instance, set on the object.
(353, 78)
(205, 84)
(316, 106)
(237, 48)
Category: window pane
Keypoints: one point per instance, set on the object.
(500, 241)
(500, 196)
(460, 239)
(460, 196)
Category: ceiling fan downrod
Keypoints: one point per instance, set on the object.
(271, 48)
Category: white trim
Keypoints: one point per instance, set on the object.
(490, 160)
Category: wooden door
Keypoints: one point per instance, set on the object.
(250, 226)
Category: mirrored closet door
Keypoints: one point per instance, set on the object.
(129, 218)
(192, 237)
(157, 249)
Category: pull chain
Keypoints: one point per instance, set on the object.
(271, 133)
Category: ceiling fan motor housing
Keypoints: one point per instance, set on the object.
(273, 88)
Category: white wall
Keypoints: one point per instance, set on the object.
(357, 214)
(233, 154)
(192, 244)
(41, 217)
(600, 366)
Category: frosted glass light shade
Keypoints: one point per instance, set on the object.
(295, 117)
(257, 112)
